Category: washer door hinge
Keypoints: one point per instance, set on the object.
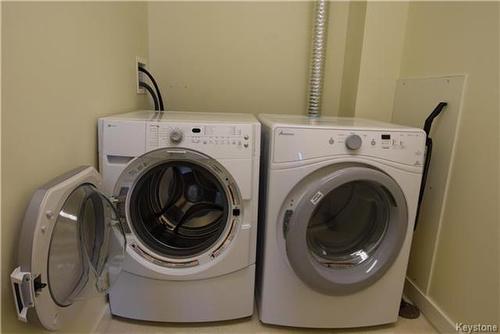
(119, 204)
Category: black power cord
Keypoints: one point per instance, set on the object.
(152, 92)
(150, 76)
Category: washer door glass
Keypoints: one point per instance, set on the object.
(86, 248)
(348, 224)
(179, 208)
(346, 229)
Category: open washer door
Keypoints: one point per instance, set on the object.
(344, 227)
(71, 248)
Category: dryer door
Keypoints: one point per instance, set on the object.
(344, 228)
(71, 248)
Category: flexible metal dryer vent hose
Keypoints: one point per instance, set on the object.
(317, 58)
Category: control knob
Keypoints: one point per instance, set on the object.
(176, 136)
(353, 142)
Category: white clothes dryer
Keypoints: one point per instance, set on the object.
(338, 201)
(168, 228)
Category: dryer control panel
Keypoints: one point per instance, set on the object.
(401, 146)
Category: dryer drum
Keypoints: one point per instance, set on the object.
(349, 223)
(179, 209)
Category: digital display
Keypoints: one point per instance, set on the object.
(196, 130)
(386, 137)
(221, 131)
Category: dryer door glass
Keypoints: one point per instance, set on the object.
(346, 229)
(349, 223)
(86, 248)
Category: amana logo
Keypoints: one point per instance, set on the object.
(285, 133)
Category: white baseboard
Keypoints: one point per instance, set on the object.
(432, 312)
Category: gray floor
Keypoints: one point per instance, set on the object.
(111, 324)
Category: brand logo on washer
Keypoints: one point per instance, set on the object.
(285, 133)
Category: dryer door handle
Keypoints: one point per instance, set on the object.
(286, 220)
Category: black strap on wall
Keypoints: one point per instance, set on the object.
(428, 153)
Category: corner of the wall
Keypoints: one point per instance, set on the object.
(440, 320)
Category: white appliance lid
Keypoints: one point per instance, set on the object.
(185, 116)
(328, 122)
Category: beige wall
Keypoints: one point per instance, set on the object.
(64, 64)
(449, 38)
(2, 279)
(382, 48)
(242, 56)
(352, 58)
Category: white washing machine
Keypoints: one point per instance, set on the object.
(168, 228)
(338, 201)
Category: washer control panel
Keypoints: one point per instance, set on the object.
(176, 136)
(405, 146)
(211, 139)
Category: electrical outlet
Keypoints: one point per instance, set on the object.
(140, 76)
